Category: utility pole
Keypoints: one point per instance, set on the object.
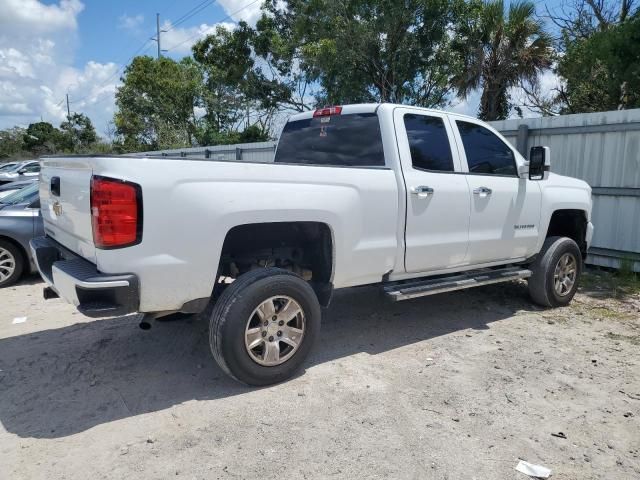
(68, 109)
(158, 34)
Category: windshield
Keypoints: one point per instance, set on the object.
(6, 167)
(24, 195)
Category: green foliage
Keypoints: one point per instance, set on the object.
(252, 133)
(602, 72)
(156, 104)
(500, 52)
(42, 138)
(226, 65)
(76, 135)
(12, 144)
(78, 132)
(363, 50)
(202, 100)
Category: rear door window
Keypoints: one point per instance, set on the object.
(486, 153)
(31, 168)
(348, 140)
(428, 143)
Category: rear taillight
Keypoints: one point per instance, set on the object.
(327, 111)
(116, 212)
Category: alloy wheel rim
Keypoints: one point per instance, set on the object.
(564, 276)
(7, 264)
(274, 331)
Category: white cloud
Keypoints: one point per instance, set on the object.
(131, 23)
(37, 42)
(180, 40)
(242, 10)
(37, 17)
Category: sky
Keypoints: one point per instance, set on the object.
(50, 48)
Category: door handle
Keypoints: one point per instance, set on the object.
(482, 191)
(422, 191)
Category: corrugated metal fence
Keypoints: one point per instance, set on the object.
(601, 148)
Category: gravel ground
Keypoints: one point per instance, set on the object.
(456, 386)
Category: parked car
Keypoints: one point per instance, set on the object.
(6, 166)
(20, 171)
(20, 221)
(417, 201)
(9, 188)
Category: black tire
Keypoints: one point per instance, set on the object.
(542, 283)
(231, 313)
(10, 253)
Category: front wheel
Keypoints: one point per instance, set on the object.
(556, 271)
(263, 326)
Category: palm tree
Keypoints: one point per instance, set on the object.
(499, 53)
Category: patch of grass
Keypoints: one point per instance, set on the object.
(602, 312)
(628, 279)
(632, 339)
(620, 284)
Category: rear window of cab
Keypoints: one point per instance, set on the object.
(350, 140)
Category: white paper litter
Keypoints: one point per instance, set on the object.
(532, 470)
(19, 320)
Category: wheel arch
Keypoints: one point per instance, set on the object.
(305, 247)
(571, 223)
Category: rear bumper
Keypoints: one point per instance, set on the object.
(78, 281)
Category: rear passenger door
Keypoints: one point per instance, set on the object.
(505, 209)
(437, 195)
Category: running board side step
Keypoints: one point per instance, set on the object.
(406, 290)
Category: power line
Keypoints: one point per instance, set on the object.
(219, 21)
(195, 10)
(145, 46)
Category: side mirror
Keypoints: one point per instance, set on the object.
(539, 163)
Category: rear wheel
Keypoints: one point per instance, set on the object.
(11, 263)
(556, 272)
(263, 326)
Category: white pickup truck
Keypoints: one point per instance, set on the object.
(418, 201)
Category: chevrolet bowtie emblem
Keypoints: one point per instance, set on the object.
(57, 208)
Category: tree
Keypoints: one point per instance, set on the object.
(12, 143)
(243, 83)
(156, 102)
(603, 71)
(499, 53)
(362, 50)
(594, 74)
(227, 65)
(78, 132)
(579, 19)
(42, 138)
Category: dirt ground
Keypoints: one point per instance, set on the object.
(456, 386)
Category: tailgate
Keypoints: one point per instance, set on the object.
(65, 203)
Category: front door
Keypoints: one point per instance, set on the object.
(437, 195)
(505, 209)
